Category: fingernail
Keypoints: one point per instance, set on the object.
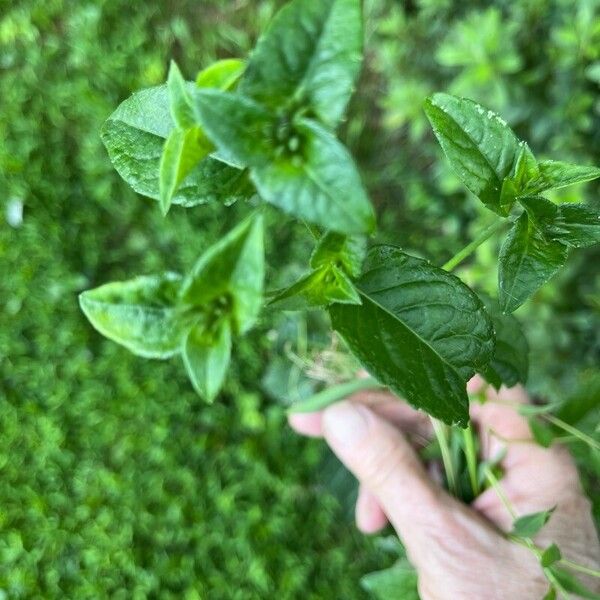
(346, 423)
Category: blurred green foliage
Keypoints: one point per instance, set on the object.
(115, 480)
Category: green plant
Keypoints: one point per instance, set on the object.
(265, 131)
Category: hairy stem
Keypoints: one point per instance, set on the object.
(483, 237)
(334, 394)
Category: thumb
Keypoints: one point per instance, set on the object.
(385, 463)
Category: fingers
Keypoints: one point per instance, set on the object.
(385, 463)
(370, 517)
(308, 424)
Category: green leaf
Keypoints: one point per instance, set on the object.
(542, 434)
(183, 150)
(399, 582)
(572, 585)
(551, 595)
(480, 146)
(141, 314)
(529, 526)
(420, 331)
(323, 287)
(222, 75)
(527, 261)
(347, 252)
(135, 135)
(206, 355)
(526, 169)
(229, 276)
(309, 58)
(575, 225)
(550, 555)
(182, 108)
(555, 175)
(301, 168)
(510, 362)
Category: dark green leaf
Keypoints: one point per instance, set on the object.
(575, 225)
(550, 555)
(323, 287)
(313, 179)
(206, 355)
(572, 585)
(555, 175)
(480, 146)
(229, 275)
(420, 331)
(135, 135)
(222, 75)
(529, 526)
(182, 109)
(183, 151)
(542, 433)
(510, 362)
(309, 57)
(527, 261)
(399, 582)
(526, 169)
(140, 314)
(348, 252)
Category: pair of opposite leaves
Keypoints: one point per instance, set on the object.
(502, 172)
(273, 134)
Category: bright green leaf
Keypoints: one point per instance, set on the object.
(572, 585)
(135, 135)
(309, 57)
(348, 252)
(542, 433)
(550, 555)
(206, 356)
(300, 168)
(222, 75)
(525, 169)
(527, 261)
(323, 287)
(555, 175)
(510, 362)
(140, 314)
(182, 108)
(529, 526)
(229, 276)
(420, 331)
(183, 150)
(399, 582)
(480, 146)
(551, 595)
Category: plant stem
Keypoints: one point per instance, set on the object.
(442, 438)
(483, 237)
(574, 432)
(471, 456)
(581, 568)
(333, 394)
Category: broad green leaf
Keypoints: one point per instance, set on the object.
(206, 356)
(222, 75)
(529, 526)
(184, 149)
(301, 168)
(555, 175)
(550, 555)
(323, 287)
(525, 170)
(510, 362)
(572, 585)
(229, 276)
(420, 331)
(182, 108)
(347, 252)
(480, 146)
(309, 57)
(575, 225)
(399, 582)
(527, 261)
(135, 135)
(140, 314)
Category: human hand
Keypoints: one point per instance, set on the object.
(460, 551)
